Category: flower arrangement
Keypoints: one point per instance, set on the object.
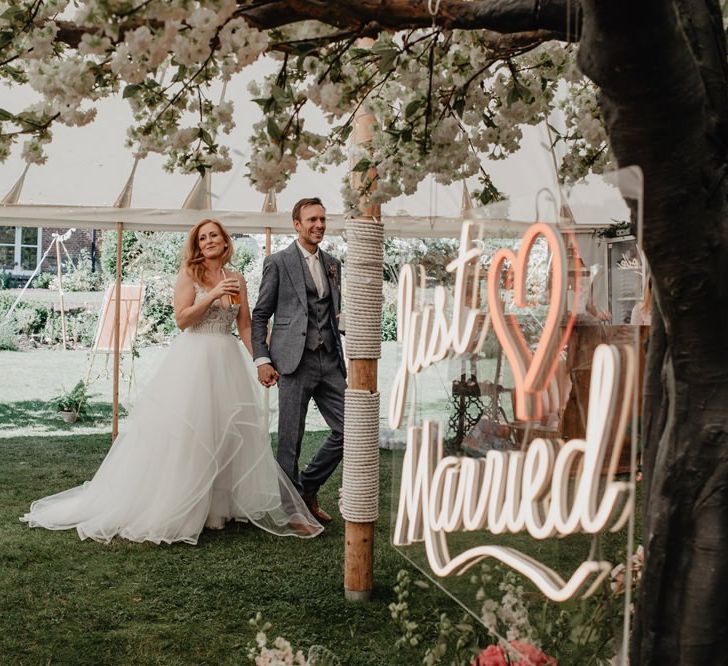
(518, 628)
(281, 653)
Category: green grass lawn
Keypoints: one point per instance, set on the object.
(28, 414)
(63, 600)
(66, 601)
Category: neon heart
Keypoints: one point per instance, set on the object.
(532, 371)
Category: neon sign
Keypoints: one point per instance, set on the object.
(552, 488)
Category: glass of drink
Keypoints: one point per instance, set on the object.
(228, 300)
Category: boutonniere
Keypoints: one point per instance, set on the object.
(333, 275)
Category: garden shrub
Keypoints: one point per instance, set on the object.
(42, 281)
(158, 320)
(130, 247)
(80, 327)
(8, 337)
(79, 277)
(160, 253)
(26, 322)
(389, 323)
(242, 257)
(30, 318)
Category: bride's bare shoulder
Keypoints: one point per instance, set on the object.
(185, 283)
(184, 276)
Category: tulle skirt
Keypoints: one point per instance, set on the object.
(194, 451)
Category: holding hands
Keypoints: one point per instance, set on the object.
(267, 375)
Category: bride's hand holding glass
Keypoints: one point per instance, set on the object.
(227, 290)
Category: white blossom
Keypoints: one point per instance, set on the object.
(165, 66)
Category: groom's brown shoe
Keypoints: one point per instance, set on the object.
(311, 501)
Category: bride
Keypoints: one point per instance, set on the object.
(194, 452)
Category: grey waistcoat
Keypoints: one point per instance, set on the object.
(318, 331)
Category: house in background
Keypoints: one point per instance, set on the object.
(22, 247)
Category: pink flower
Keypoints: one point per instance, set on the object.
(523, 654)
(493, 655)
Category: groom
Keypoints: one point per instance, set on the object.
(300, 289)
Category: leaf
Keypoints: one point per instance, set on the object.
(304, 48)
(413, 107)
(274, 132)
(131, 90)
(386, 60)
(6, 115)
(180, 74)
(362, 165)
(345, 131)
(356, 53)
(519, 91)
(555, 131)
(16, 74)
(280, 95)
(206, 138)
(12, 13)
(6, 37)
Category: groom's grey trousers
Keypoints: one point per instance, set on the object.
(305, 348)
(319, 377)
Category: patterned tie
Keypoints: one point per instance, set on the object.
(315, 268)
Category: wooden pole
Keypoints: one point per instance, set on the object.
(362, 375)
(117, 333)
(60, 291)
(268, 241)
(359, 537)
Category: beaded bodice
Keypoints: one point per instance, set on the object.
(218, 320)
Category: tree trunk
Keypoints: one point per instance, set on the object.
(661, 69)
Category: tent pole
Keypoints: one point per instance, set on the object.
(266, 391)
(60, 290)
(117, 333)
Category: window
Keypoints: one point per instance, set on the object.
(19, 249)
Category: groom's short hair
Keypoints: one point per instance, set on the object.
(302, 203)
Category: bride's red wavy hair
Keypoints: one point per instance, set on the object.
(192, 258)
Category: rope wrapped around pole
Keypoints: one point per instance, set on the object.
(365, 256)
(360, 500)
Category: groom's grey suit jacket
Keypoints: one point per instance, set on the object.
(283, 295)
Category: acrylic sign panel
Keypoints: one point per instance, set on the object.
(529, 469)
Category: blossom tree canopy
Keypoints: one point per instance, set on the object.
(443, 94)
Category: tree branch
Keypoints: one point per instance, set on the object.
(506, 24)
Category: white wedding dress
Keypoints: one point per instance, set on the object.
(193, 452)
